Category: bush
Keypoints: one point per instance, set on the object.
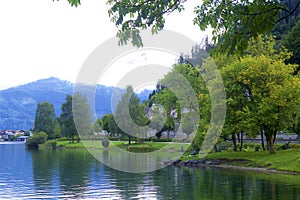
(62, 139)
(105, 142)
(113, 138)
(90, 137)
(135, 149)
(197, 142)
(51, 144)
(37, 139)
(294, 146)
(161, 140)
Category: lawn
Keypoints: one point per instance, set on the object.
(284, 160)
(143, 147)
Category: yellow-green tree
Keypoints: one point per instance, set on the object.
(237, 101)
(262, 92)
(273, 94)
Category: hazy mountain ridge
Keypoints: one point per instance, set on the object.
(18, 104)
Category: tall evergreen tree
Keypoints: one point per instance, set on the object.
(76, 109)
(82, 114)
(66, 120)
(46, 121)
(127, 111)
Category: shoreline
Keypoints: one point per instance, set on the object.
(257, 169)
(13, 142)
(225, 164)
(251, 161)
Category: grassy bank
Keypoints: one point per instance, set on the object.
(285, 160)
(143, 147)
(87, 144)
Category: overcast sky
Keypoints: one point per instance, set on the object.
(42, 38)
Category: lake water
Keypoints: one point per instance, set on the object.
(75, 174)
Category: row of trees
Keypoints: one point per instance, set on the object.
(263, 92)
(46, 121)
(76, 119)
(130, 118)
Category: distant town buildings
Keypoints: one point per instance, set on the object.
(14, 135)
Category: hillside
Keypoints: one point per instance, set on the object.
(18, 104)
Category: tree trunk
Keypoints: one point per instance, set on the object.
(270, 143)
(215, 148)
(234, 142)
(274, 139)
(262, 139)
(129, 140)
(241, 145)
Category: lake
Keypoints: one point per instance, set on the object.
(75, 174)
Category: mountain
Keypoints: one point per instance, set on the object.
(18, 104)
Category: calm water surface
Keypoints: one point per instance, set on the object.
(75, 174)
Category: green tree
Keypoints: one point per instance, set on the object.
(292, 43)
(158, 122)
(188, 125)
(46, 120)
(170, 125)
(109, 125)
(272, 95)
(66, 120)
(192, 74)
(98, 124)
(236, 93)
(107, 121)
(297, 126)
(234, 22)
(82, 115)
(128, 110)
(167, 99)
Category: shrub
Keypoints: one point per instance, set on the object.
(161, 140)
(197, 142)
(295, 146)
(51, 144)
(37, 139)
(140, 149)
(105, 142)
(62, 139)
(113, 138)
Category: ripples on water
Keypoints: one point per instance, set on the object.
(75, 174)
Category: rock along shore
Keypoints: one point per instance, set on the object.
(221, 164)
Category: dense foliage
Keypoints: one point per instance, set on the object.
(262, 93)
(130, 117)
(46, 120)
(76, 110)
(234, 22)
(37, 139)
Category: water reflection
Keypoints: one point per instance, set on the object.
(75, 174)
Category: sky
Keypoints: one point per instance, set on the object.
(44, 38)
